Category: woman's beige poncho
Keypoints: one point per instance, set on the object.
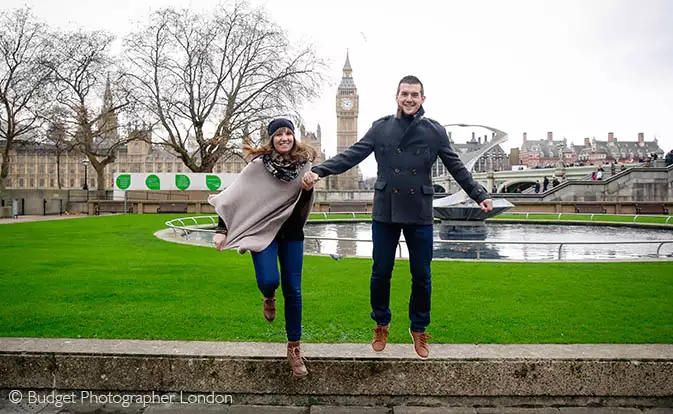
(256, 205)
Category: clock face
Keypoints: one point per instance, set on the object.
(347, 104)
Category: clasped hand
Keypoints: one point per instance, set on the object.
(309, 179)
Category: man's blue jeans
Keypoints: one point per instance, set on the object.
(419, 242)
(290, 255)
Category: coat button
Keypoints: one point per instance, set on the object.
(411, 191)
(397, 170)
(413, 172)
(395, 191)
(399, 150)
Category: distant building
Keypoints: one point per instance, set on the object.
(548, 153)
(314, 139)
(495, 159)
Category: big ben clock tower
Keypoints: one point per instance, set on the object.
(347, 126)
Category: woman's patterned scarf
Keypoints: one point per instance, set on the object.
(281, 168)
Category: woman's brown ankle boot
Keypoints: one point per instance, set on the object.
(296, 360)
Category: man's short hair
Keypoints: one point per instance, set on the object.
(411, 80)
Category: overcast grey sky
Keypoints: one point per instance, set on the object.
(575, 67)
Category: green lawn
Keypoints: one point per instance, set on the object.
(661, 219)
(109, 277)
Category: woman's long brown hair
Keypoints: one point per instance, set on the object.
(300, 150)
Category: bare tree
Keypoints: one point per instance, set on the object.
(205, 78)
(22, 79)
(89, 99)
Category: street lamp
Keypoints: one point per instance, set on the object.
(86, 165)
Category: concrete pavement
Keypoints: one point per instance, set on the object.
(26, 219)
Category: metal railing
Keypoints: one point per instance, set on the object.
(206, 224)
(480, 243)
(195, 226)
(592, 215)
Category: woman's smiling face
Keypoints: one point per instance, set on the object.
(283, 141)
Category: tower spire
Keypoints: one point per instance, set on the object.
(107, 95)
(347, 65)
(108, 122)
(347, 77)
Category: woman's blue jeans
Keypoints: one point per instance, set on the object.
(419, 242)
(290, 255)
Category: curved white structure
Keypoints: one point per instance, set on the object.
(461, 217)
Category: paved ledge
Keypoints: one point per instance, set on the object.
(336, 351)
(27, 219)
(350, 374)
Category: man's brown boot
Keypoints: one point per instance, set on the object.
(380, 338)
(270, 309)
(296, 360)
(421, 343)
